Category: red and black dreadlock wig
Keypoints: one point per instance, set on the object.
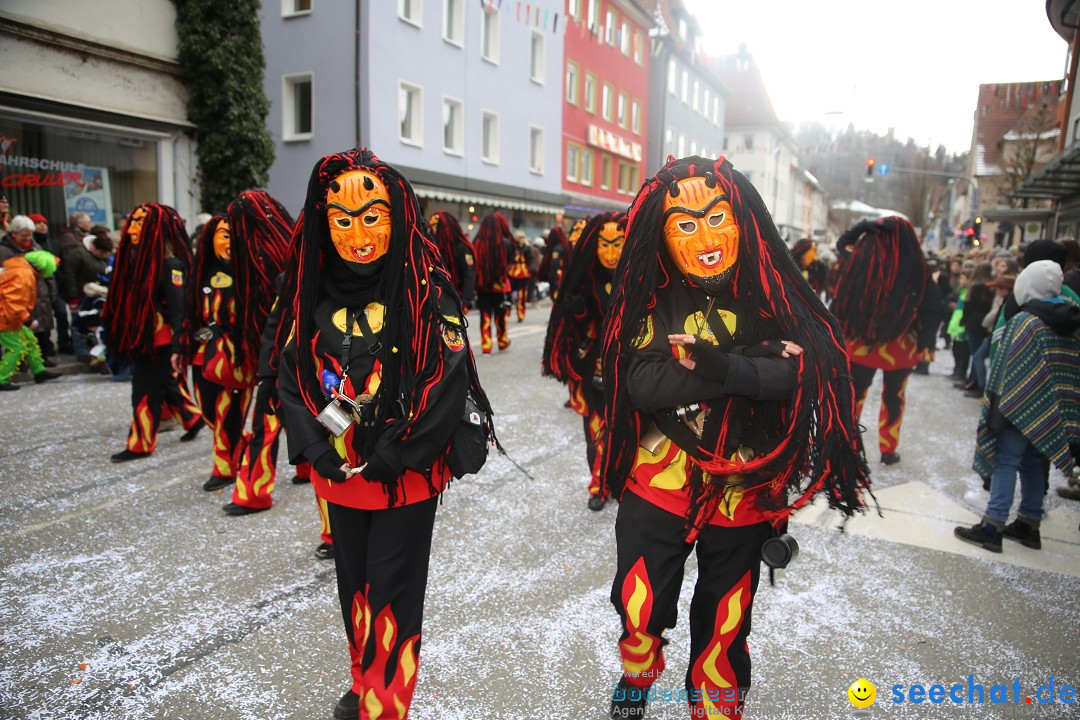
(489, 249)
(580, 299)
(448, 235)
(130, 312)
(556, 238)
(204, 255)
(819, 446)
(881, 286)
(410, 283)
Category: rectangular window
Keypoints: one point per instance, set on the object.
(292, 8)
(297, 121)
(609, 28)
(620, 110)
(605, 172)
(453, 118)
(536, 58)
(639, 47)
(411, 114)
(695, 96)
(685, 87)
(624, 38)
(491, 138)
(706, 103)
(586, 167)
(594, 16)
(454, 22)
(669, 142)
(573, 161)
(590, 92)
(605, 101)
(536, 150)
(624, 178)
(672, 77)
(571, 82)
(411, 11)
(635, 117)
(682, 145)
(489, 34)
(693, 147)
(748, 142)
(716, 111)
(573, 9)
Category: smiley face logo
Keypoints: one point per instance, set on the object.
(862, 693)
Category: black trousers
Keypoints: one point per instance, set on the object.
(382, 569)
(651, 556)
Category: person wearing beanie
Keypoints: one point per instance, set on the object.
(18, 295)
(1029, 414)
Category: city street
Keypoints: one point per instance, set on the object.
(126, 592)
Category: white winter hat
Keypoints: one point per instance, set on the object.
(1039, 280)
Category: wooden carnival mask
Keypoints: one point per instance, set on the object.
(434, 222)
(609, 244)
(358, 211)
(575, 232)
(701, 234)
(135, 225)
(223, 241)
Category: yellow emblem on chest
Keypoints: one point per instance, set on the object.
(695, 325)
(374, 312)
(220, 280)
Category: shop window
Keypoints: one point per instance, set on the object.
(296, 106)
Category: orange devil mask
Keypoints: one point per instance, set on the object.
(575, 232)
(135, 225)
(701, 234)
(358, 211)
(609, 245)
(223, 242)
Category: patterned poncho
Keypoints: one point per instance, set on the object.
(1034, 384)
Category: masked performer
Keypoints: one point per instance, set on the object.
(518, 272)
(889, 310)
(728, 405)
(493, 248)
(573, 345)
(551, 266)
(147, 323)
(375, 377)
(457, 254)
(232, 291)
(806, 257)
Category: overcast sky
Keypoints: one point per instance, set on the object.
(914, 65)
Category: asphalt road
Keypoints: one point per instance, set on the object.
(125, 591)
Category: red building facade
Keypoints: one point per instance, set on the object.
(605, 101)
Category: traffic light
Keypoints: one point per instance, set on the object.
(869, 167)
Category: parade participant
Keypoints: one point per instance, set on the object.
(239, 257)
(146, 323)
(18, 296)
(518, 272)
(728, 405)
(806, 257)
(457, 254)
(377, 351)
(493, 248)
(889, 310)
(573, 345)
(551, 266)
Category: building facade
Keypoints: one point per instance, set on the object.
(106, 137)
(686, 99)
(463, 97)
(604, 104)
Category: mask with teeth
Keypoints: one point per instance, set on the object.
(358, 212)
(701, 234)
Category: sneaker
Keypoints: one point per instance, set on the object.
(348, 707)
(125, 455)
(1069, 493)
(216, 482)
(45, 376)
(596, 502)
(8, 387)
(890, 458)
(1024, 533)
(297, 480)
(325, 551)
(984, 535)
(192, 433)
(627, 701)
(237, 510)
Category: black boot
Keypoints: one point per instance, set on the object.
(216, 482)
(984, 535)
(1024, 532)
(234, 509)
(325, 551)
(45, 376)
(7, 387)
(192, 433)
(890, 458)
(348, 707)
(596, 502)
(627, 701)
(297, 480)
(125, 455)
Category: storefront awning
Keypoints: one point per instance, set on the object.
(467, 198)
(1058, 180)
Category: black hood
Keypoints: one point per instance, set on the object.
(1063, 318)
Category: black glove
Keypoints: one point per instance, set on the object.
(328, 465)
(383, 465)
(268, 394)
(764, 349)
(711, 361)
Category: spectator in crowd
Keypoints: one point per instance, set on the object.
(5, 216)
(955, 329)
(19, 276)
(537, 257)
(18, 242)
(60, 311)
(82, 285)
(979, 301)
(72, 235)
(1031, 415)
(1004, 263)
(1072, 264)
